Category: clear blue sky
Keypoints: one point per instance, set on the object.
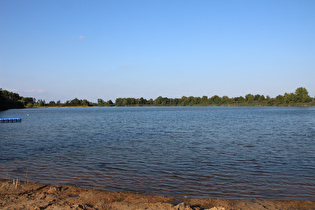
(62, 49)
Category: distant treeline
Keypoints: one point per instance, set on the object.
(300, 97)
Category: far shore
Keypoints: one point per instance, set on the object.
(16, 194)
(226, 105)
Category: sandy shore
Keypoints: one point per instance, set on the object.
(29, 195)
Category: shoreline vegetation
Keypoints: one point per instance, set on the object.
(10, 100)
(16, 194)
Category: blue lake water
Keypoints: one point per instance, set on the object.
(215, 152)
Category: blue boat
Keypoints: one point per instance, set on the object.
(9, 120)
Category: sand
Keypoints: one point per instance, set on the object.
(30, 195)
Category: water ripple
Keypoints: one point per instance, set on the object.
(219, 152)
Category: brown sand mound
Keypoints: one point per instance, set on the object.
(28, 195)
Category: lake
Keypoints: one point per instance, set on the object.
(214, 152)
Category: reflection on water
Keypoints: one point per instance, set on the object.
(226, 152)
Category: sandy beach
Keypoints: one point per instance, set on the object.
(30, 195)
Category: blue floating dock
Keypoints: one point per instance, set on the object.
(10, 120)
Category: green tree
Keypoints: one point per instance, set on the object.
(280, 99)
(289, 98)
(256, 97)
(109, 103)
(261, 98)
(28, 101)
(184, 101)
(174, 102)
(75, 102)
(204, 100)
(158, 101)
(150, 102)
(119, 101)
(192, 100)
(302, 95)
(249, 98)
(239, 100)
(271, 102)
(129, 101)
(100, 102)
(52, 103)
(85, 102)
(142, 101)
(215, 100)
(225, 100)
(41, 102)
(165, 101)
(10, 100)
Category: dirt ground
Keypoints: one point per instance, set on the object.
(29, 195)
